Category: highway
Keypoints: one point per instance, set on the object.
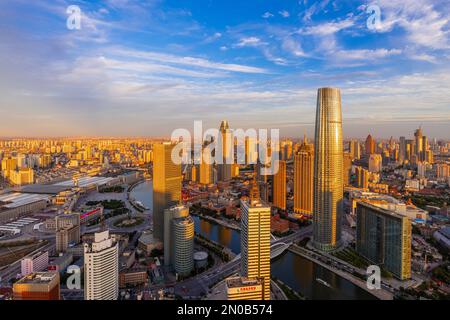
(199, 285)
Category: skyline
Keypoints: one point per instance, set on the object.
(145, 68)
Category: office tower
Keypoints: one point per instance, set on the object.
(375, 163)
(347, 162)
(241, 288)
(362, 178)
(166, 185)
(425, 148)
(226, 146)
(34, 263)
(410, 145)
(303, 178)
(179, 239)
(328, 171)
(370, 145)
(402, 150)
(255, 239)
(37, 286)
(355, 149)
(279, 186)
(194, 173)
(419, 142)
(101, 268)
(384, 238)
(286, 150)
(206, 168)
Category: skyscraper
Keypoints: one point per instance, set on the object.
(206, 168)
(279, 186)
(355, 149)
(101, 268)
(328, 171)
(419, 143)
(370, 145)
(303, 178)
(402, 150)
(179, 239)
(166, 185)
(226, 145)
(255, 240)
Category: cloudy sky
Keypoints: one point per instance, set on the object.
(145, 68)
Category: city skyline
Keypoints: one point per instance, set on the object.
(130, 77)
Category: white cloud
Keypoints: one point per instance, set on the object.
(267, 15)
(327, 28)
(250, 42)
(284, 13)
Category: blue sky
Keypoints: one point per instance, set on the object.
(145, 68)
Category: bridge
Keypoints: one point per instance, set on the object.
(275, 250)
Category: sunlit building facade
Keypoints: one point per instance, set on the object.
(328, 171)
(303, 178)
(167, 180)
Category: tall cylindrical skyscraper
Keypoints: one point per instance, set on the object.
(328, 171)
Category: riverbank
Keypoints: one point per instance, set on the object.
(140, 208)
(380, 294)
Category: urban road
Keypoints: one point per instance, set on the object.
(196, 287)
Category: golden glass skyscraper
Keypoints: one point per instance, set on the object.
(166, 185)
(328, 171)
(303, 178)
(255, 240)
(226, 145)
(279, 186)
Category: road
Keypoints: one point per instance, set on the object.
(199, 285)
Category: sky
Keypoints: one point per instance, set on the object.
(146, 68)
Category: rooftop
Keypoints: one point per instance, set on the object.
(38, 278)
(15, 199)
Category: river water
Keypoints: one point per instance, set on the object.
(299, 273)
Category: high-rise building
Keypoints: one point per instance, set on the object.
(279, 186)
(37, 286)
(206, 168)
(384, 238)
(355, 149)
(240, 288)
(370, 145)
(179, 239)
(167, 180)
(101, 268)
(402, 150)
(419, 143)
(303, 178)
(255, 240)
(226, 146)
(328, 171)
(362, 178)
(375, 163)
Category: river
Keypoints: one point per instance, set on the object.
(299, 273)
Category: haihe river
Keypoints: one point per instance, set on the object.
(299, 273)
